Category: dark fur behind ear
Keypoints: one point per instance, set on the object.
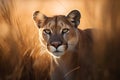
(39, 18)
(74, 16)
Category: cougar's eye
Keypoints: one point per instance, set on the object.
(73, 21)
(66, 30)
(47, 31)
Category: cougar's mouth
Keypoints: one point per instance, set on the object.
(57, 51)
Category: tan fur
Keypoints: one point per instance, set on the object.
(23, 58)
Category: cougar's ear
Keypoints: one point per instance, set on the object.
(74, 16)
(39, 18)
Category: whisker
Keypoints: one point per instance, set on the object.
(72, 71)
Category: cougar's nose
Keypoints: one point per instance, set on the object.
(56, 44)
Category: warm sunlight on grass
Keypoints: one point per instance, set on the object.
(21, 56)
(59, 7)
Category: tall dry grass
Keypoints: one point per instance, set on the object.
(21, 56)
(107, 41)
(19, 46)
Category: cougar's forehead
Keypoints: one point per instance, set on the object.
(57, 23)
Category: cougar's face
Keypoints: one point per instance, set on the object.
(58, 33)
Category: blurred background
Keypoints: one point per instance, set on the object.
(20, 54)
